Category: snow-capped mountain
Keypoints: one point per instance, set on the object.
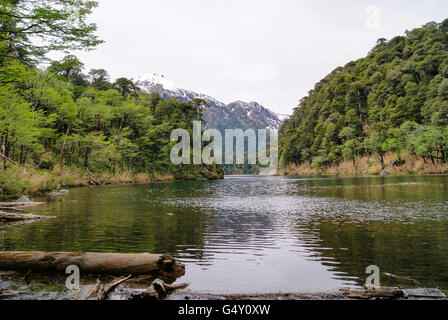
(219, 115)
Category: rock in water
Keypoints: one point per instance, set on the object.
(431, 293)
(23, 199)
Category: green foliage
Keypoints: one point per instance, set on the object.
(30, 29)
(11, 186)
(103, 129)
(61, 118)
(394, 99)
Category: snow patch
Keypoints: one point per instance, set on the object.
(159, 79)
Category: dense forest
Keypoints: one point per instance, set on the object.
(60, 126)
(394, 101)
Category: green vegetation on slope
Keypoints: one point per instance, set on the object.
(393, 101)
(76, 125)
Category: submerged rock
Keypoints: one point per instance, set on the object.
(23, 199)
(54, 193)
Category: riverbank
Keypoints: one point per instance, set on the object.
(16, 181)
(38, 286)
(371, 166)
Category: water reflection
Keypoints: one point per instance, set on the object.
(249, 233)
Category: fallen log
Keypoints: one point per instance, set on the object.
(11, 209)
(13, 217)
(19, 204)
(94, 263)
(376, 293)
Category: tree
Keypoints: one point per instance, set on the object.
(70, 68)
(351, 144)
(401, 80)
(99, 78)
(31, 29)
(126, 87)
(375, 143)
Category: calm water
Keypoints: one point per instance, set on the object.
(261, 234)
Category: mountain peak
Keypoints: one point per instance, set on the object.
(158, 79)
(238, 114)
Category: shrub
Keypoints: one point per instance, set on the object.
(11, 185)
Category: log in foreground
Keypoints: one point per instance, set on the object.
(94, 263)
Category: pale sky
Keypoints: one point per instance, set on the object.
(269, 51)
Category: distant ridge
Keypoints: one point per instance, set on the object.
(219, 115)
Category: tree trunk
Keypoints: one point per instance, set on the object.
(63, 147)
(86, 158)
(141, 158)
(2, 147)
(382, 159)
(14, 217)
(94, 263)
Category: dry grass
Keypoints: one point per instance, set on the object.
(142, 178)
(129, 177)
(16, 181)
(163, 177)
(124, 177)
(371, 166)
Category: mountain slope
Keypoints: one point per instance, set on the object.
(218, 115)
(393, 100)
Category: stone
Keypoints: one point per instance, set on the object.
(54, 194)
(23, 199)
(384, 173)
(432, 293)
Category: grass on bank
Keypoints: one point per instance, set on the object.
(17, 181)
(371, 166)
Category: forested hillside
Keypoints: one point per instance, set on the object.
(394, 101)
(61, 126)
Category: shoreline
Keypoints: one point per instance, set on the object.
(407, 166)
(16, 285)
(19, 181)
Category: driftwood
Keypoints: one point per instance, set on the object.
(103, 291)
(157, 290)
(94, 263)
(376, 293)
(19, 204)
(10, 209)
(5, 293)
(93, 181)
(13, 217)
(94, 290)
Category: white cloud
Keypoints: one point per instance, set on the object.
(269, 51)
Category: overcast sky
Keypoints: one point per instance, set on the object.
(269, 51)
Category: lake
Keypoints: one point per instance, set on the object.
(260, 234)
